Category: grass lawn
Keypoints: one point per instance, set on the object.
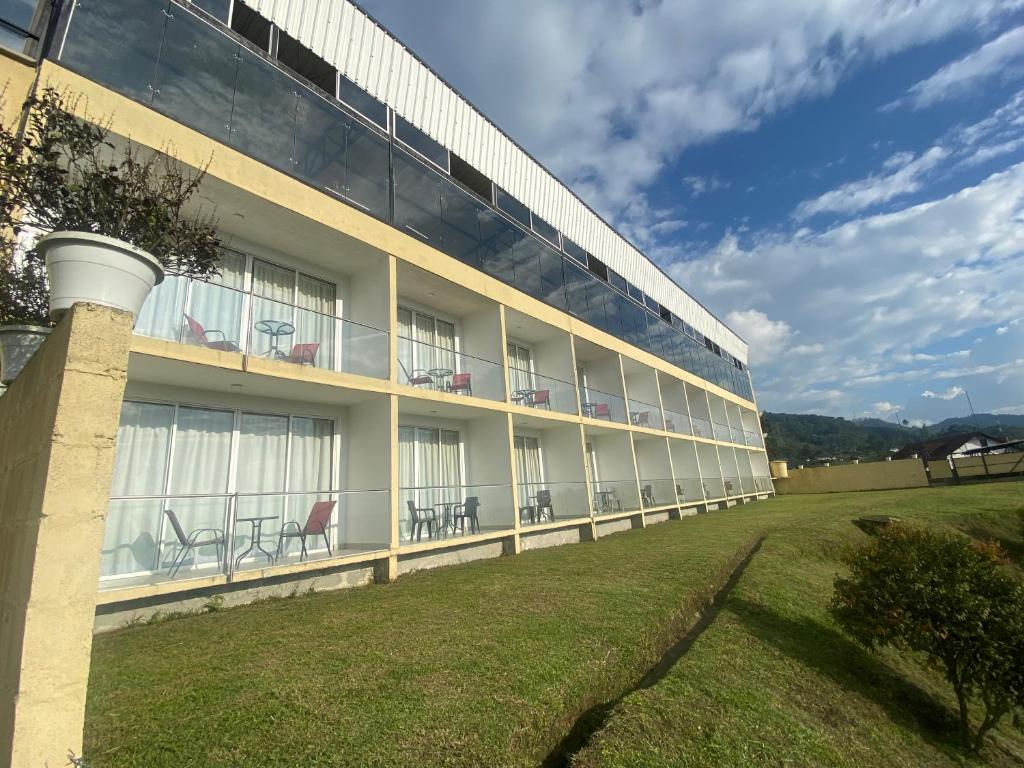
(773, 682)
(490, 663)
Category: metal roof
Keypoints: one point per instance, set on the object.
(366, 53)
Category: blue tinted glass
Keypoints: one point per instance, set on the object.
(498, 244)
(263, 121)
(362, 102)
(417, 199)
(216, 8)
(464, 223)
(116, 42)
(527, 266)
(574, 250)
(413, 137)
(195, 79)
(545, 230)
(576, 288)
(512, 207)
(617, 280)
(552, 278)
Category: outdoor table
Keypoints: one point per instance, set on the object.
(605, 500)
(439, 375)
(588, 409)
(255, 538)
(446, 515)
(523, 396)
(275, 329)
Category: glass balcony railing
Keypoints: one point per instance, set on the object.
(753, 439)
(737, 436)
(229, 320)
(154, 539)
(722, 432)
(548, 502)
(746, 484)
(763, 484)
(677, 422)
(429, 366)
(701, 427)
(441, 512)
(657, 492)
(714, 488)
(732, 486)
(643, 414)
(689, 489)
(534, 390)
(611, 496)
(603, 406)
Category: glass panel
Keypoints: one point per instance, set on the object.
(216, 8)
(574, 250)
(512, 207)
(367, 175)
(116, 43)
(195, 78)
(202, 445)
(143, 446)
(417, 200)
(162, 314)
(362, 102)
(263, 121)
(413, 137)
(546, 231)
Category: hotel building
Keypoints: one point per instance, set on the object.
(422, 347)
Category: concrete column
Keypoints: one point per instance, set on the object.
(60, 420)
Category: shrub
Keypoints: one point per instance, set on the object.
(63, 173)
(950, 598)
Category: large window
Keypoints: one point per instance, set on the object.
(430, 470)
(529, 467)
(425, 343)
(520, 365)
(192, 460)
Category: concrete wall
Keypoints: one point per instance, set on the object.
(874, 476)
(996, 464)
(368, 468)
(59, 422)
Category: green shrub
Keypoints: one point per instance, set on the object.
(950, 598)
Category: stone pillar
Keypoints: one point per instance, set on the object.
(58, 422)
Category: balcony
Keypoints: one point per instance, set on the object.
(427, 366)
(677, 422)
(157, 539)
(702, 427)
(433, 513)
(602, 405)
(612, 496)
(214, 316)
(643, 414)
(657, 492)
(535, 390)
(548, 502)
(689, 489)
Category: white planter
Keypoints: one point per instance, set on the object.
(95, 269)
(17, 344)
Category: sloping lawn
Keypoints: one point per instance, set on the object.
(490, 663)
(772, 681)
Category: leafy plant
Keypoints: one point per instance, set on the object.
(66, 173)
(953, 600)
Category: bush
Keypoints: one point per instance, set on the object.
(63, 173)
(950, 598)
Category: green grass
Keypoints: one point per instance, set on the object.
(490, 663)
(772, 681)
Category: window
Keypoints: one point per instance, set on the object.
(250, 25)
(512, 207)
(616, 280)
(362, 102)
(305, 63)
(219, 9)
(634, 293)
(529, 467)
(190, 459)
(471, 178)
(520, 366)
(425, 343)
(417, 140)
(665, 313)
(429, 470)
(545, 230)
(308, 304)
(597, 267)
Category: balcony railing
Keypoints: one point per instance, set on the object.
(657, 492)
(429, 366)
(714, 488)
(535, 390)
(230, 320)
(442, 512)
(643, 414)
(153, 539)
(603, 406)
(732, 485)
(677, 422)
(722, 432)
(611, 496)
(763, 484)
(701, 427)
(548, 502)
(689, 489)
(753, 439)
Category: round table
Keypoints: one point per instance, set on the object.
(438, 375)
(275, 329)
(446, 516)
(523, 396)
(255, 539)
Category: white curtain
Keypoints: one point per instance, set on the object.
(309, 469)
(519, 367)
(133, 526)
(405, 343)
(528, 467)
(406, 477)
(273, 298)
(163, 314)
(217, 304)
(261, 468)
(429, 468)
(315, 319)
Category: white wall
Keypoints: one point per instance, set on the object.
(652, 459)
(361, 517)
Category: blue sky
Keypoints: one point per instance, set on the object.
(842, 182)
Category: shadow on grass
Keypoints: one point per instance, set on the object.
(852, 667)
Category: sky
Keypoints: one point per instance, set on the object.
(841, 181)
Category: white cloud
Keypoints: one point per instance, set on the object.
(1009, 409)
(995, 57)
(884, 408)
(949, 394)
(906, 174)
(1002, 329)
(766, 338)
(700, 184)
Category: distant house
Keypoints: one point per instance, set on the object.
(946, 446)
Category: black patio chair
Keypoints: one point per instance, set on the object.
(544, 503)
(467, 511)
(419, 520)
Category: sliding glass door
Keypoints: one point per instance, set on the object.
(529, 467)
(425, 343)
(430, 470)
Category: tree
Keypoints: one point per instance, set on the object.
(63, 173)
(950, 598)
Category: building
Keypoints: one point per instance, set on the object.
(949, 446)
(422, 349)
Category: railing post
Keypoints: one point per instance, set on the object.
(229, 549)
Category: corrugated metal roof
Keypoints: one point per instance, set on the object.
(366, 53)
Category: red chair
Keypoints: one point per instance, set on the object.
(201, 336)
(670, 426)
(602, 411)
(316, 525)
(304, 354)
(541, 397)
(461, 382)
(642, 419)
(417, 378)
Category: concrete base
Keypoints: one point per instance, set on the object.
(662, 517)
(457, 554)
(614, 526)
(551, 538)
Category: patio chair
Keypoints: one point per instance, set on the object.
(670, 426)
(544, 503)
(187, 543)
(417, 378)
(202, 337)
(647, 496)
(680, 493)
(728, 487)
(467, 511)
(461, 382)
(602, 411)
(304, 354)
(316, 525)
(542, 397)
(418, 521)
(642, 419)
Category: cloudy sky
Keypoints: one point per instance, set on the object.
(842, 181)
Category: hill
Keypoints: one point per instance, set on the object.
(811, 439)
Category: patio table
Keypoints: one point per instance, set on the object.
(446, 515)
(275, 329)
(604, 500)
(523, 396)
(255, 538)
(439, 375)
